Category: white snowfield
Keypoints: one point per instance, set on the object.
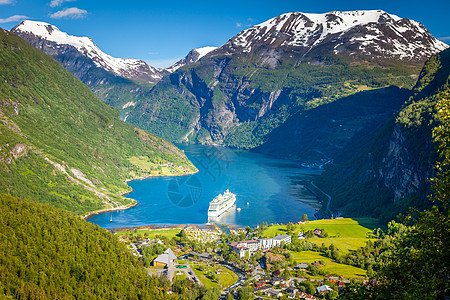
(308, 30)
(118, 66)
(204, 50)
(182, 62)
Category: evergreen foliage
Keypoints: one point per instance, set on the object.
(47, 253)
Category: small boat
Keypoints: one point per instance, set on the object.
(248, 203)
(238, 209)
(110, 219)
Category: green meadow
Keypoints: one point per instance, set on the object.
(346, 234)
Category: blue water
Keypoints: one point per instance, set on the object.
(267, 190)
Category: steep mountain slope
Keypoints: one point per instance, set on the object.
(240, 92)
(391, 170)
(47, 253)
(60, 144)
(119, 82)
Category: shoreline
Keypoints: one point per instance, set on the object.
(173, 226)
(103, 210)
(124, 207)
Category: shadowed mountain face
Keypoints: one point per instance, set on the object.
(329, 128)
(389, 170)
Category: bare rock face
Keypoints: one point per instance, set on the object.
(402, 171)
(19, 151)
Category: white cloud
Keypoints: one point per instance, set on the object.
(247, 23)
(56, 3)
(70, 13)
(6, 1)
(14, 18)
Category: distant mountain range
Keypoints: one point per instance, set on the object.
(300, 85)
(365, 35)
(120, 82)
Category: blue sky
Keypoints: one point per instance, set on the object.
(161, 32)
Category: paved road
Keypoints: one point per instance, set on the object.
(328, 196)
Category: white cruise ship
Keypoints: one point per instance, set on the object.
(221, 204)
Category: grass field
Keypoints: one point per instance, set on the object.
(344, 270)
(225, 278)
(309, 257)
(346, 234)
(330, 267)
(150, 233)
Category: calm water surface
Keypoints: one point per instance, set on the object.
(267, 190)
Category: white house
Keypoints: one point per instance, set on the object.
(323, 288)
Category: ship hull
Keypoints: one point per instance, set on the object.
(219, 212)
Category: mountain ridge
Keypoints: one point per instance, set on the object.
(305, 31)
(50, 39)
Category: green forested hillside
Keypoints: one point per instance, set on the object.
(391, 169)
(60, 144)
(47, 253)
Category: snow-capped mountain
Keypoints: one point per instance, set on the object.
(238, 93)
(193, 56)
(71, 50)
(370, 33)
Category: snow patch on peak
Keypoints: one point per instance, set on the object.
(300, 27)
(193, 56)
(126, 67)
(204, 50)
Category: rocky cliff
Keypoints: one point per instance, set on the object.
(391, 169)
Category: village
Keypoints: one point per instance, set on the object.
(248, 260)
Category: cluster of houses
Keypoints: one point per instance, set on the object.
(276, 287)
(264, 244)
(203, 235)
(302, 236)
(136, 248)
(174, 168)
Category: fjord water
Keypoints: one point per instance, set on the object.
(267, 190)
